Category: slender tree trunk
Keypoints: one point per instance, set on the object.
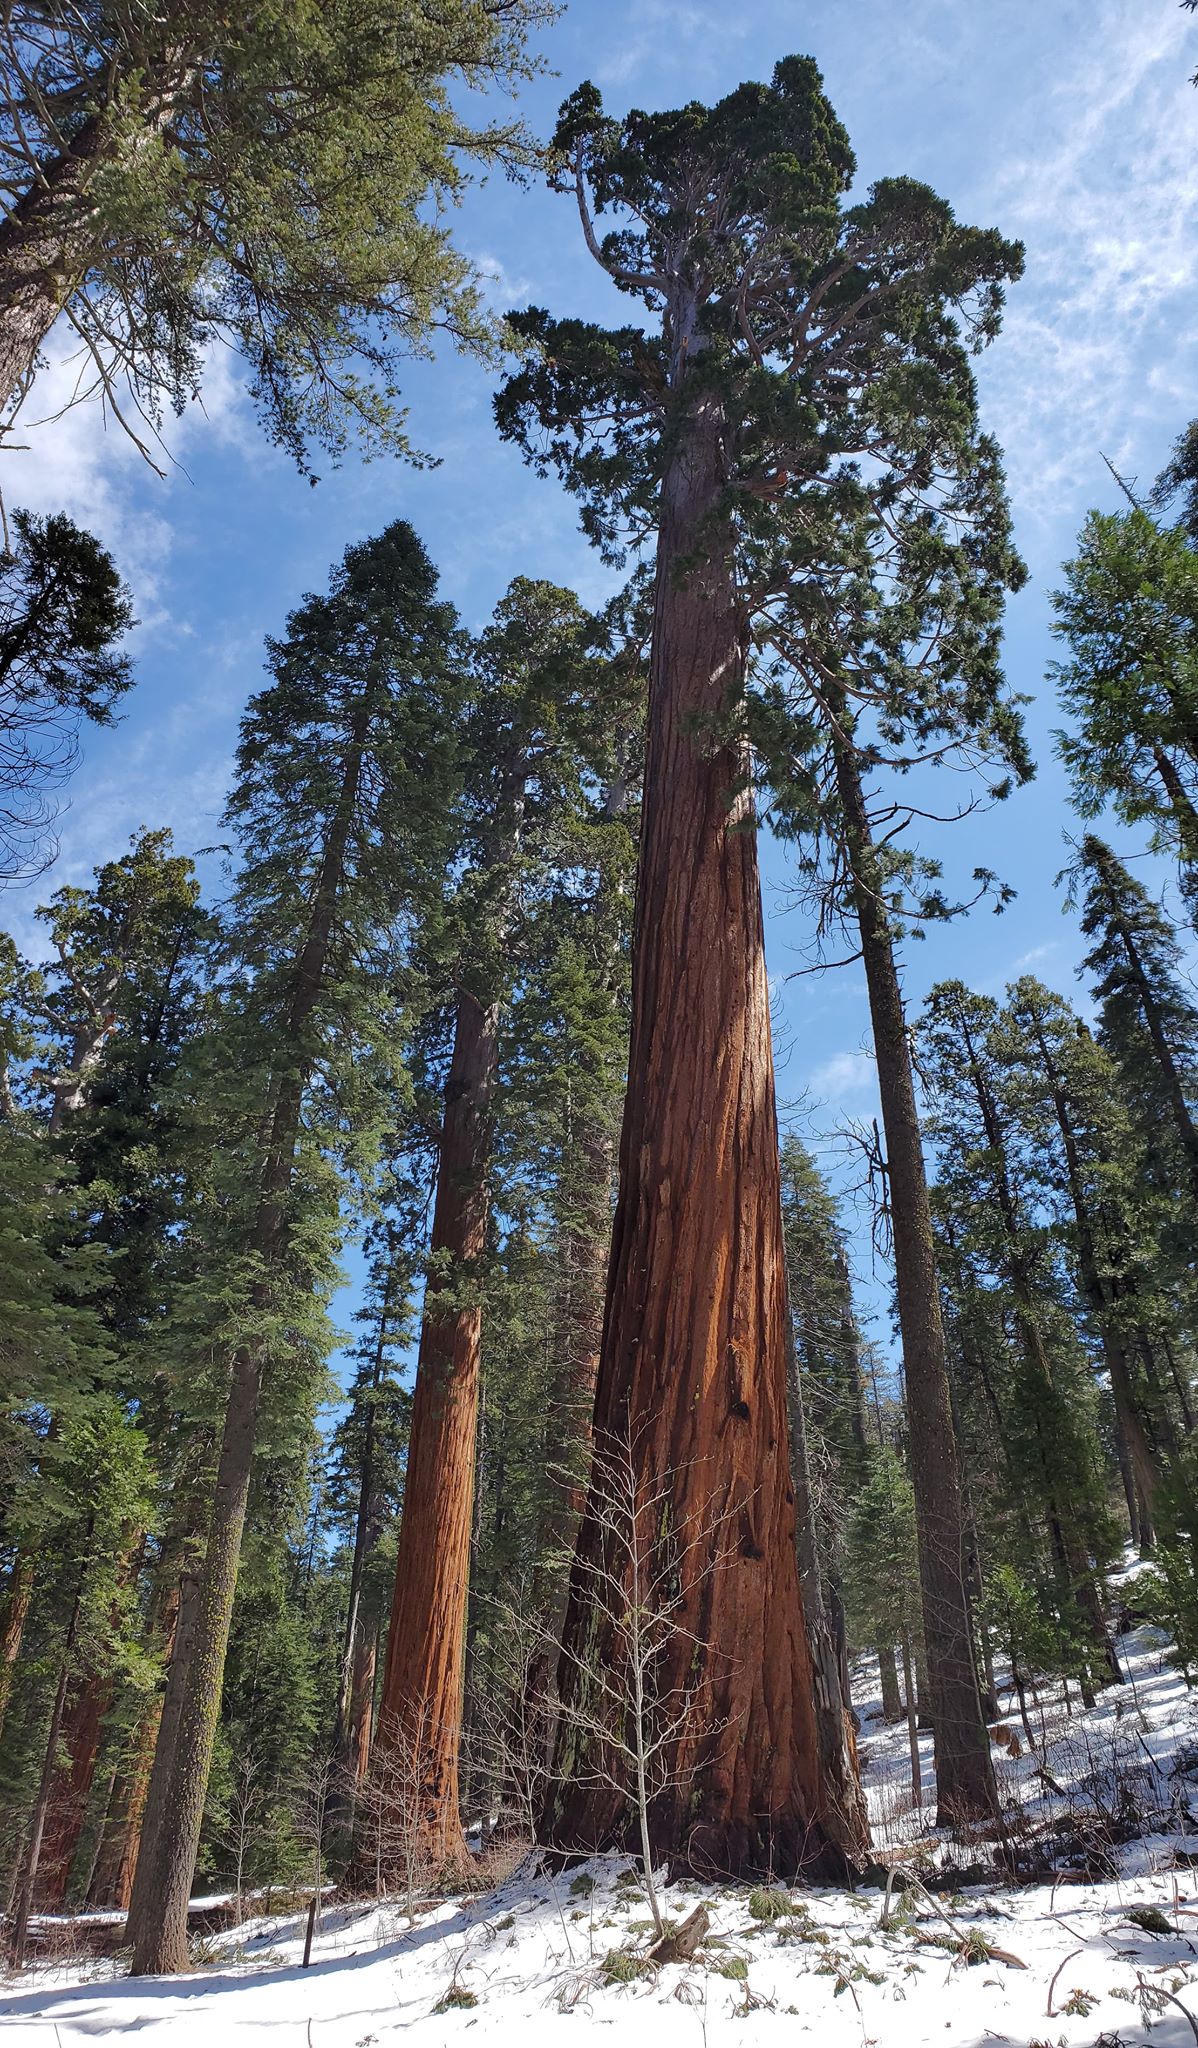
(360, 1724)
(423, 1680)
(1066, 1534)
(41, 1806)
(158, 1911)
(833, 1706)
(1183, 1122)
(1099, 1293)
(1184, 815)
(1127, 1479)
(1183, 1393)
(16, 1612)
(1021, 1696)
(892, 1703)
(578, 1328)
(912, 1722)
(965, 1784)
(353, 1726)
(693, 1363)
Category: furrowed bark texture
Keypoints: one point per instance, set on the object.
(144, 1851)
(693, 1363)
(70, 1791)
(965, 1786)
(421, 1708)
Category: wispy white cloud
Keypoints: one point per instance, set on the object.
(661, 26)
(1099, 353)
(76, 458)
(844, 1075)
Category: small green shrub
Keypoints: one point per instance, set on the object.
(769, 1905)
(621, 1966)
(734, 1967)
(582, 1886)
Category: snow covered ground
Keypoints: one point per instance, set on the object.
(1096, 1960)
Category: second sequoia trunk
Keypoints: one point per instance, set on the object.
(421, 1708)
(694, 1354)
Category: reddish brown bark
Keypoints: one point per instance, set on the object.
(693, 1363)
(421, 1706)
(71, 1790)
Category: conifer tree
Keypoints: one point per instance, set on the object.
(103, 1025)
(1092, 1174)
(338, 803)
(886, 643)
(275, 179)
(366, 1470)
(1148, 1022)
(782, 325)
(883, 1585)
(1129, 612)
(63, 612)
(963, 1065)
(828, 1446)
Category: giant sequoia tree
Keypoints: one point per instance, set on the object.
(273, 177)
(782, 326)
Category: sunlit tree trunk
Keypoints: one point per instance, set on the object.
(421, 1704)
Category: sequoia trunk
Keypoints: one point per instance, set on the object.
(71, 1790)
(420, 1713)
(693, 1363)
(965, 1786)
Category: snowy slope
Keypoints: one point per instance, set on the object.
(529, 1963)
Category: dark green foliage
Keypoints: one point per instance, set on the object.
(1129, 612)
(882, 1566)
(63, 612)
(823, 328)
(276, 178)
(1015, 1309)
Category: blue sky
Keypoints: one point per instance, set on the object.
(1071, 125)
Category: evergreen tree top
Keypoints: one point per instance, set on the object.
(832, 334)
